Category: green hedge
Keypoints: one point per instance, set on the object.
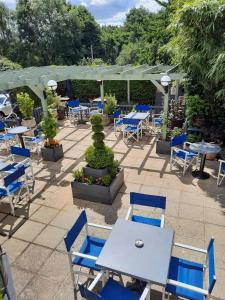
(140, 91)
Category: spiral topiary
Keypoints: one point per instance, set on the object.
(98, 156)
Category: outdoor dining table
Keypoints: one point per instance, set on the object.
(203, 148)
(19, 130)
(138, 250)
(142, 116)
(83, 109)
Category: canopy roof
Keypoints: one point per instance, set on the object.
(39, 76)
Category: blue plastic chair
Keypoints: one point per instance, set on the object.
(112, 290)
(11, 190)
(90, 248)
(186, 278)
(99, 109)
(142, 108)
(150, 201)
(24, 155)
(73, 108)
(6, 138)
(118, 121)
(35, 141)
(132, 129)
(180, 154)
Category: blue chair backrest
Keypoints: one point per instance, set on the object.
(2, 125)
(128, 121)
(73, 233)
(100, 105)
(20, 151)
(142, 107)
(116, 114)
(14, 176)
(148, 200)
(179, 140)
(74, 103)
(89, 295)
(211, 265)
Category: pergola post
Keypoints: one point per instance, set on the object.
(39, 91)
(128, 91)
(177, 90)
(165, 114)
(102, 91)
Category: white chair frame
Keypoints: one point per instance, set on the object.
(72, 254)
(221, 173)
(31, 144)
(102, 275)
(132, 134)
(12, 200)
(131, 210)
(184, 285)
(184, 163)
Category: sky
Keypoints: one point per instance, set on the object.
(107, 11)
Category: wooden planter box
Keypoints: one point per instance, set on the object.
(163, 147)
(98, 193)
(52, 154)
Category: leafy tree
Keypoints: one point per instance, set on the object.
(6, 64)
(198, 42)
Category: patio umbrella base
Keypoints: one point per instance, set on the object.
(200, 174)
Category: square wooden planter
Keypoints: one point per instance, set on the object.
(52, 154)
(98, 193)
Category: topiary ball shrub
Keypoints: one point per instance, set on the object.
(98, 156)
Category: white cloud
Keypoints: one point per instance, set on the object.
(107, 11)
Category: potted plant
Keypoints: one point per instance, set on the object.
(52, 150)
(108, 109)
(102, 178)
(164, 146)
(26, 106)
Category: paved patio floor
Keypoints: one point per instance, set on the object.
(195, 210)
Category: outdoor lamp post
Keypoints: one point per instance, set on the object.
(165, 81)
(52, 84)
(100, 82)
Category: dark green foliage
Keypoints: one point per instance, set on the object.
(78, 175)
(176, 132)
(106, 180)
(98, 156)
(193, 138)
(140, 90)
(196, 108)
(110, 104)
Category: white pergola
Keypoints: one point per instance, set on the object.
(36, 78)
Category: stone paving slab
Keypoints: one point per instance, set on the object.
(195, 210)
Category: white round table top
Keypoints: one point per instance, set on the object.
(205, 148)
(18, 130)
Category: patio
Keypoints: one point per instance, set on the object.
(195, 210)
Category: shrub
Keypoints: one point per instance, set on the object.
(106, 180)
(50, 129)
(26, 105)
(176, 131)
(110, 104)
(196, 108)
(78, 175)
(98, 156)
(193, 138)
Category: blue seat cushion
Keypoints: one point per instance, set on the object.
(115, 291)
(7, 136)
(91, 246)
(182, 154)
(36, 139)
(119, 122)
(187, 272)
(131, 128)
(223, 166)
(10, 167)
(145, 220)
(12, 188)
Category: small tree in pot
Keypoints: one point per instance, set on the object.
(102, 178)
(52, 150)
(26, 106)
(108, 109)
